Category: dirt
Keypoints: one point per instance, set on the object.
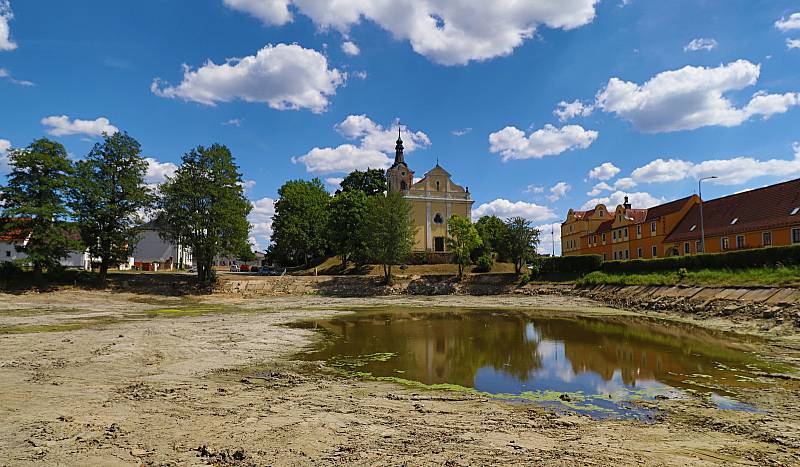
(134, 384)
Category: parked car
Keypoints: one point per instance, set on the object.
(234, 268)
(268, 271)
(244, 268)
(192, 270)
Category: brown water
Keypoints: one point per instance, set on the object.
(597, 364)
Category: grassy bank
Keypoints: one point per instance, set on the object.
(753, 277)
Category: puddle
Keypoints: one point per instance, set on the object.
(596, 365)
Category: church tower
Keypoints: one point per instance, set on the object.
(399, 176)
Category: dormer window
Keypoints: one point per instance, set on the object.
(795, 211)
(735, 220)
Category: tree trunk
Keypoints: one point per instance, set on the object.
(38, 277)
(103, 276)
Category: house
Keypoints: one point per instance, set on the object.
(153, 253)
(10, 239)
(433, 200)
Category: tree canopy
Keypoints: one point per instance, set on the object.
(347, 215)
(299, 223)
(520, 242)
(462, 239)
(492, 231)
(109, 195)
(203, 206)
(390, 231)
(371, 182)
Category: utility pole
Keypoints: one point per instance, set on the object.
(553, 239)
(702, 223)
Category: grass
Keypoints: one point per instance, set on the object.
(753, 277)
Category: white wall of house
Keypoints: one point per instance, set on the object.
(153, 249)
(8, 252)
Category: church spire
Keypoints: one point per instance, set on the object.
(398, 150)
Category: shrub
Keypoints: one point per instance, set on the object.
(9, 269)
(580, 264)
(524, 279)
(485, 263)
(753, 258)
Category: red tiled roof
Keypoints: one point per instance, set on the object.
(605, 226)
(636, 215)
(667, 208)
(763, 208)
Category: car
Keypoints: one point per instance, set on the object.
(244, 268)
(234, 268)
(192, 270)
(268, 271)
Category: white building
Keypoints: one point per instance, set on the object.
(152, 253)
(8, 252)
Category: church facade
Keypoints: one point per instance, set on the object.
(433, 200)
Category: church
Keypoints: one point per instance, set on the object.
(433, 200)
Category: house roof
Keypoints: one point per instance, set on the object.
(667, 208)
(605, 226)
(759, 209)
(636, 215)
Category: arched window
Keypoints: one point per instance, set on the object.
(438, 219)
(437, 185)
(403, 185)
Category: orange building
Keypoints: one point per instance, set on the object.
(751, 219)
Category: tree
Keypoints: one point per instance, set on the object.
(492, 230)
(109, 195)
(203, 207)
(371, 181)
(298, 227)
(347, 214)
(520, 241)
(462, 239)
(389, 231)
(34, 207)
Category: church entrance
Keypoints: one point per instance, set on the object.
(438, 244)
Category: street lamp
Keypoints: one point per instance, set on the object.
(702, 226)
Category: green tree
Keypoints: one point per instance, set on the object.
(492, 231)
(203, 207)
(347, 214)
(371, 181)
(109, 195)
(462, 239)
(34, 204)
(389, 231)
(520, 242)
(298, 227)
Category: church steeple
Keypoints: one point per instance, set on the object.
(399, 176)
(398, 149)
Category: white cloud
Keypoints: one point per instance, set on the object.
(6, 15)
(5, 166)
(358, 74)
(568, 110)
(261, 222)
(63, 126)
(732, 171)
(334, 182)
(604, 171)
(157, 172)
(549, 234)
(558, 191)
(504, 209)
(789, 24)
(461, 131)
(792, 44)
(512, 143)
(20, 82)
(625, 184)
(350, 48)
(282, 76)
(248, 185)
(445, 31)
(700, 44)
(690, 98)
(534, 189)
(237, 122)
(375, 148)
(599, 188)
(639, 200)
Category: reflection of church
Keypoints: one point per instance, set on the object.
(433, 200)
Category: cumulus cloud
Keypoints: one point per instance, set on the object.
(157, 172)
(568, 110)
(260, 219)
(6, 15)
(604, 171)
(461, 131)
(445, 31)
(558, 191)
(5, 166)
(350, 48)
(732, 171)
(700, 44)
(789, 24)
(282, 76)
(625, 183)
(691, 97)
(639, 200)
(63, 126)
(505, 209)
(4, 73)
(511, 142)
(375, 148)
(792, 44)
(599, 188)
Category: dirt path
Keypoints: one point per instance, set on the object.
(119, 380)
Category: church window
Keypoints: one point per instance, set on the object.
(438, 244)
(438, 219)
(437, 186)
(403, 185)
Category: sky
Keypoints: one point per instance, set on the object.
(537, 106)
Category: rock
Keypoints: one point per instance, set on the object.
(565, 397)
(139, 452)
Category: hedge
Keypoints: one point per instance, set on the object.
(757, 257)
(579, 264)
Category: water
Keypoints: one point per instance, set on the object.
(593, 364)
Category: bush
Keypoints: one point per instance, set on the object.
(758, 257)
(524, 279)
(580, 264)
(9, 269)
(485, 263)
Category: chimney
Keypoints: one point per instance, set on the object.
(626, 205)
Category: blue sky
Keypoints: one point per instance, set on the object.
(655, 94)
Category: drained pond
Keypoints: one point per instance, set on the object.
(594, 364)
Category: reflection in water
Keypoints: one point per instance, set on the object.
(513, 353)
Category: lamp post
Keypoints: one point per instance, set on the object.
(702, 226)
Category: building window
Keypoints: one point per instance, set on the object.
(604, 257)
(8, 254)
(403, 185)
(698, 246)
(626, 232)
(766, 238)
(626, 254)
(724, 243)
(639, 253)
(740, 241)
(604, 238)
(653, 227)
(438, 219)
(686, 248)
(438, 244)
(655, 251)
(796, 235)
(638, 230)
(437, 186)
(614, 234)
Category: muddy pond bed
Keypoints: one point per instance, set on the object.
(599, 365)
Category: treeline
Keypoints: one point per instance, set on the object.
(52, 206)
(362, 225)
